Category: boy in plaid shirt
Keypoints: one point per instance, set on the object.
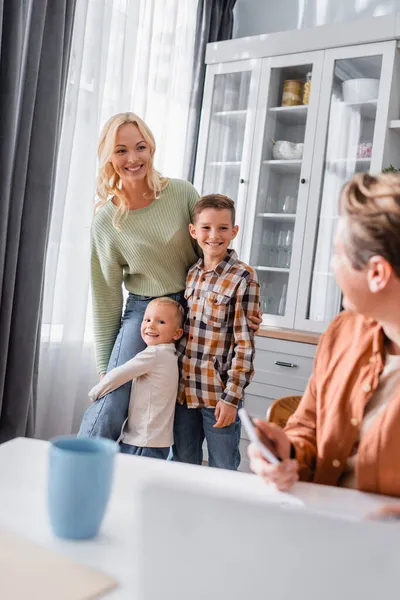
(217, 350)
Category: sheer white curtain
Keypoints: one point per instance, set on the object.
(127, 55)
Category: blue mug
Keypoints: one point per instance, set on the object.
(79, 484)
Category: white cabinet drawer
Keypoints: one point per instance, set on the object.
(283, 364)
(258, 399)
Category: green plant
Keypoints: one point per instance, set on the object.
(390, 169)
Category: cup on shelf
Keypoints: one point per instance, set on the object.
(288, 248)
(281, 243)
(270, 204)
(282, 249)
(273, 249)
(282, 301)
(271, 299)
(289, 205)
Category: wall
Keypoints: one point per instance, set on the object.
(253, 17)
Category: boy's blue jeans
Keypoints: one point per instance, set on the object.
(192, 425)
(105, 417)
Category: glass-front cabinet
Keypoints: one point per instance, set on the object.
(281, 167)
(354, 99)
(281, 136)
(226, 132)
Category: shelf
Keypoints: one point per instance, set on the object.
(225, 163)
(337, 161)
(278, 216)
(230, 113)
(395, 125)
(356, 163)
(290, 115)
(366, 109)
(284, 166)
(272, 269)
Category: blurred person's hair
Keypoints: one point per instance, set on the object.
(371, 207)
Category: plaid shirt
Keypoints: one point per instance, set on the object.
(217, 349)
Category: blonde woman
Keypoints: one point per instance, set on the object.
(345, 431)
(140, 239)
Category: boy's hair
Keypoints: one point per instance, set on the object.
(180, 313)
(217, 201)
(371, 207)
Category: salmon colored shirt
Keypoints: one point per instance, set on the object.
(326, 426)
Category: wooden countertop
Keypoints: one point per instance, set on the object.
(306, 337)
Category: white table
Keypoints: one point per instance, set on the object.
(23, 466)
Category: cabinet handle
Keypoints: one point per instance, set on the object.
(302, 180)
(280, 363)
(241, 180)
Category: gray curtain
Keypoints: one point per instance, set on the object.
(214, 24)
(35, 42)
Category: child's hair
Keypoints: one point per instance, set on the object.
(371, 206)
(217, 201)
(180, 313)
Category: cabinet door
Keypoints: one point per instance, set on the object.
(351, 130)
(226, 132)
(282, 161)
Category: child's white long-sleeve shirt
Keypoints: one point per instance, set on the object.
(155, 376)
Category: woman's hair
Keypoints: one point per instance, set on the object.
(371, 206)
(108, 181)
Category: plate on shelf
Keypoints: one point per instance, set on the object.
(284, 166)
(290, 115)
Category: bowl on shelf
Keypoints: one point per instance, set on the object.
(283, 150)
(360, 90)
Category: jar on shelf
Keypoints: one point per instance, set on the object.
(307, 88)
(292, 92)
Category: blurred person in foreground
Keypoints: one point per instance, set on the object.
(346, 429)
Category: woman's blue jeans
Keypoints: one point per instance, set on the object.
(106, 416)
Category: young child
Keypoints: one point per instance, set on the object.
(217, 351)
(148, 430)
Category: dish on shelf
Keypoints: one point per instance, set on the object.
(283, 150)
(364, 150)
(360, 90)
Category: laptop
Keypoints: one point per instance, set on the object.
(198, 546)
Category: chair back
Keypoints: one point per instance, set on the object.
(281, 409)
